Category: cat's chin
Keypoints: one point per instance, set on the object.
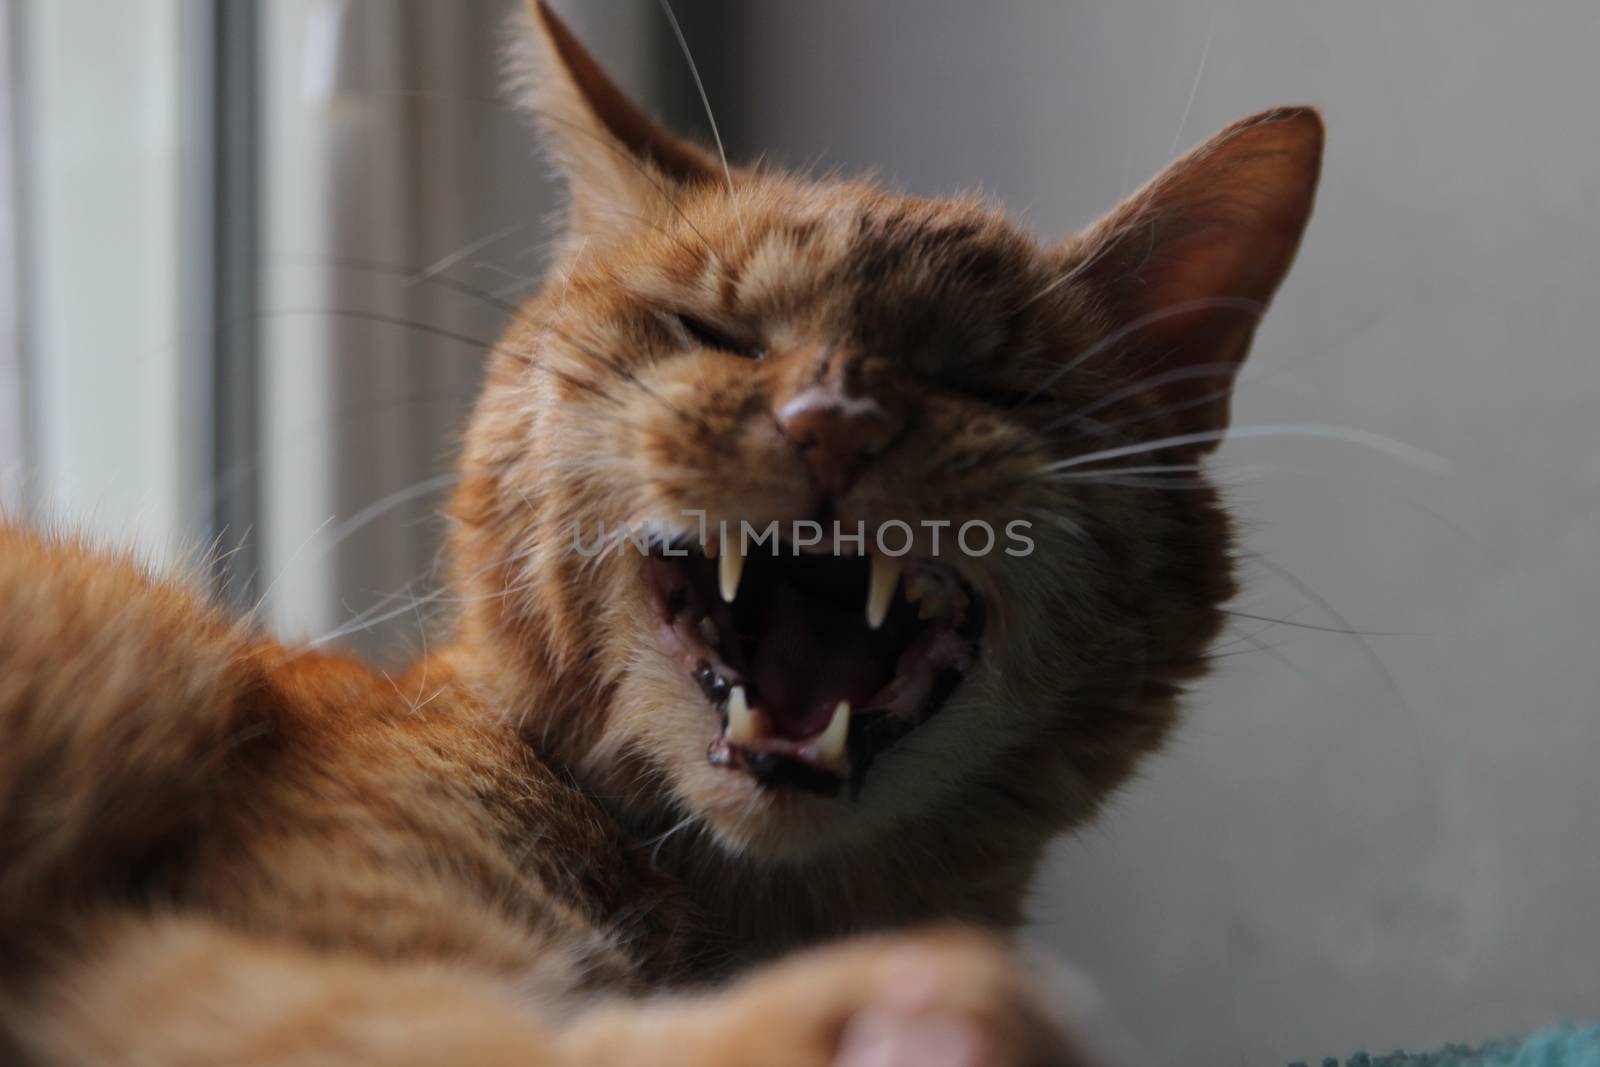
(741, 815)
(812, 665)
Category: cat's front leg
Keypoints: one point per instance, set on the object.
(945, 998)
(180, 992)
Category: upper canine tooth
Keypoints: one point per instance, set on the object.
(880, 588)
(730, 566)
(743, 726)
(830, 743)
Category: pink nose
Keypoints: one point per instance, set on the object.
(835, 434)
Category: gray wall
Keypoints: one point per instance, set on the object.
(1355, 840)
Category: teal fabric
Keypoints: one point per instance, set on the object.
(1567, 1045)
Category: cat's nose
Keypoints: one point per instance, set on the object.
(836, 434)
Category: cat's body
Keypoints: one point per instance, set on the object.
(222, 817)
(217, 849)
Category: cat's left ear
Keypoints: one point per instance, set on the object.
(620, 165)
(1186, 266)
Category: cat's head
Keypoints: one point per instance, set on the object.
(1016, 425)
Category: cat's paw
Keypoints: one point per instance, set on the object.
(946, 998)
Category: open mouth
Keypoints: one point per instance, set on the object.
(816, 663)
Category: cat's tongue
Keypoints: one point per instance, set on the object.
(810, 655)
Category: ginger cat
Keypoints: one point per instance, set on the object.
(687, 800)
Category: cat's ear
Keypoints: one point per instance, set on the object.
(1187, 265)
(619, 164)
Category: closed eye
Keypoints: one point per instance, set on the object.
(705, 335)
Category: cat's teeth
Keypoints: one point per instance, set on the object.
(927, 594)
(880, 588)
(730, 566)
(709, 632)
(830, 743)
(743, 726)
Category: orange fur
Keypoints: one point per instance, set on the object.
(214, 848)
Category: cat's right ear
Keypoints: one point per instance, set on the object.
(1187, 265)
(620, 165)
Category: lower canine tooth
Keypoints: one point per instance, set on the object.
(743, 728)
(830, 744)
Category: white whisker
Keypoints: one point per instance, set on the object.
(1210, 303)
(655, 852)
(1365, 438)
(705, 101)
(261, 602)
(385, 504)
(444, 263)
(1194, 89)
